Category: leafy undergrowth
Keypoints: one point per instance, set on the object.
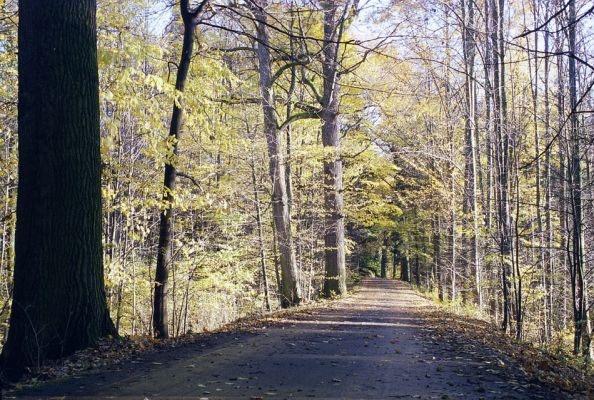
(540, 365)
(115, 350)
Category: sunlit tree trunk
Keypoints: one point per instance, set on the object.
(578, 284)
(335, 279)
(260, 228)
(290, 290)
(471, 283)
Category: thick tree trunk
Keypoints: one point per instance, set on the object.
(335, 280)
(290, 290)
(404, 268)
(58, 300)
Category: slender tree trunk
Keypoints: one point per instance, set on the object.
(394, 260)
(540, 234)
(290, 290)
(502, 154)
(260, 235)
(164, 250)
(470, 171)
(437, 255)
(549, 273)
(417, 270)
(488, 101)
(384, 259)
(452, 165)
(59, 301)
(578, 284)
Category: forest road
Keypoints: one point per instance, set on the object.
(371, 344)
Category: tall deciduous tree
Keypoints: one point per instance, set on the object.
(335, 281)
(190, 20)
(58, 300)
(576, 255)
(290, 292)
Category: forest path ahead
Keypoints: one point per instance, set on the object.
(372, 344)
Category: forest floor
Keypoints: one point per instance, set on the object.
(384, 341)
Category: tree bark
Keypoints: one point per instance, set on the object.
(501, 154)
(578, 284)
(335, 279)
(548, 273)
(437, 255)
(260, 235)
(384, 259)
(164, 250)
(470, 171)
(290, 290)
(59, 301)
(404, 268)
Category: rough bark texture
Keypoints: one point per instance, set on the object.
(58, 300)
(335, 281)
(290, 290)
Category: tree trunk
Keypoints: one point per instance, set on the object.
(335, 279)
(164, 250)
(437, 255)
(58, 300)
(548, 273)
(384, 259)
(502, 154)
(260, 235)
(404, 268)
(470, 171)
(578, 283)
(290, 290)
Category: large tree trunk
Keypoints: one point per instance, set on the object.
(58, 300)
(290, 290)
(404, 268)
(160, 318)
(335, 280)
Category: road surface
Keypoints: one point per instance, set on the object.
(372, 344)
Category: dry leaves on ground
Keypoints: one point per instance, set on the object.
(537, 364)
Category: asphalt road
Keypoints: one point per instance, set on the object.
(373, 344)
